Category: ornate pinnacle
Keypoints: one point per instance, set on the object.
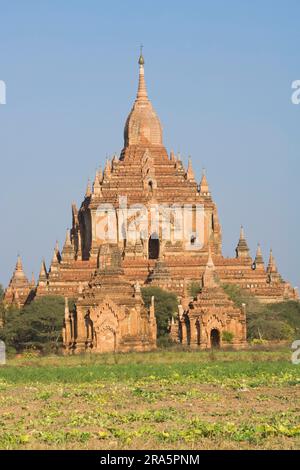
(142, 90)
(204, 188)
(190, 172)
(242, 250)
(259, 257)
(88, 192)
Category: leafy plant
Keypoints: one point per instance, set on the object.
(37, 326)
(277, 321)
(166, 305)
(227, 336)
(194, 289)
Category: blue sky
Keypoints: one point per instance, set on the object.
(219, 74)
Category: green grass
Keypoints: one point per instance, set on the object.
(169, 399)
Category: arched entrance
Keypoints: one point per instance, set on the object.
(215, 339)
(153, 246)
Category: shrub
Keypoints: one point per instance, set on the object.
(164, 342)
(257, 341)
(280, 321)
(194, 289)
(269, 329)
(227, 336)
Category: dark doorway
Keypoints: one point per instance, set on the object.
(198, 331)
(188, 329)
(153, 246)
(215, 338)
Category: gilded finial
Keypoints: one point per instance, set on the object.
(141, 58)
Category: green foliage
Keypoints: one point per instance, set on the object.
(280, 321)
(164, 342)
(194, 289)
(227, 336)
(157, 371)
(240, 296)
(36, 326)
(268, 326)
(166, 305)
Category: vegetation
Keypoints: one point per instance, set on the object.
(166, 304)
(279, 321)
(194, 289)
(36, 326)
(227, 336)
(159, 400)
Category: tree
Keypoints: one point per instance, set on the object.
(35, 326)
(279, 321)
(166, 304)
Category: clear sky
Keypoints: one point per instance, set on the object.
(219, 75)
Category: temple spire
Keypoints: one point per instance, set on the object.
(19, 266)
(100, 174)
(190, 172)
(107, 169)
(97, 185)
(88, 192)
(272, 268)
(68, 252)
(142, 126)
(142, 90)
(43, 274)
(210, 278)
(54, 257)
(272, 271)
(204, 188)
(259, 261)
(19, 272)
(68, 238)
(242, 250)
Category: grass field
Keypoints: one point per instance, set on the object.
(161, 400)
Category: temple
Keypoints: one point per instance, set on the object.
(145, 220)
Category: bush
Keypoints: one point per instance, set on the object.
(166, 304)
(194, 289)
(164, 342)
(227, 336)
(269, 329)
(258, 342)
(280, 321)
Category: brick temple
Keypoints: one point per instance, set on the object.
(104, 275)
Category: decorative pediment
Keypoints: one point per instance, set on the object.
(107, 315)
